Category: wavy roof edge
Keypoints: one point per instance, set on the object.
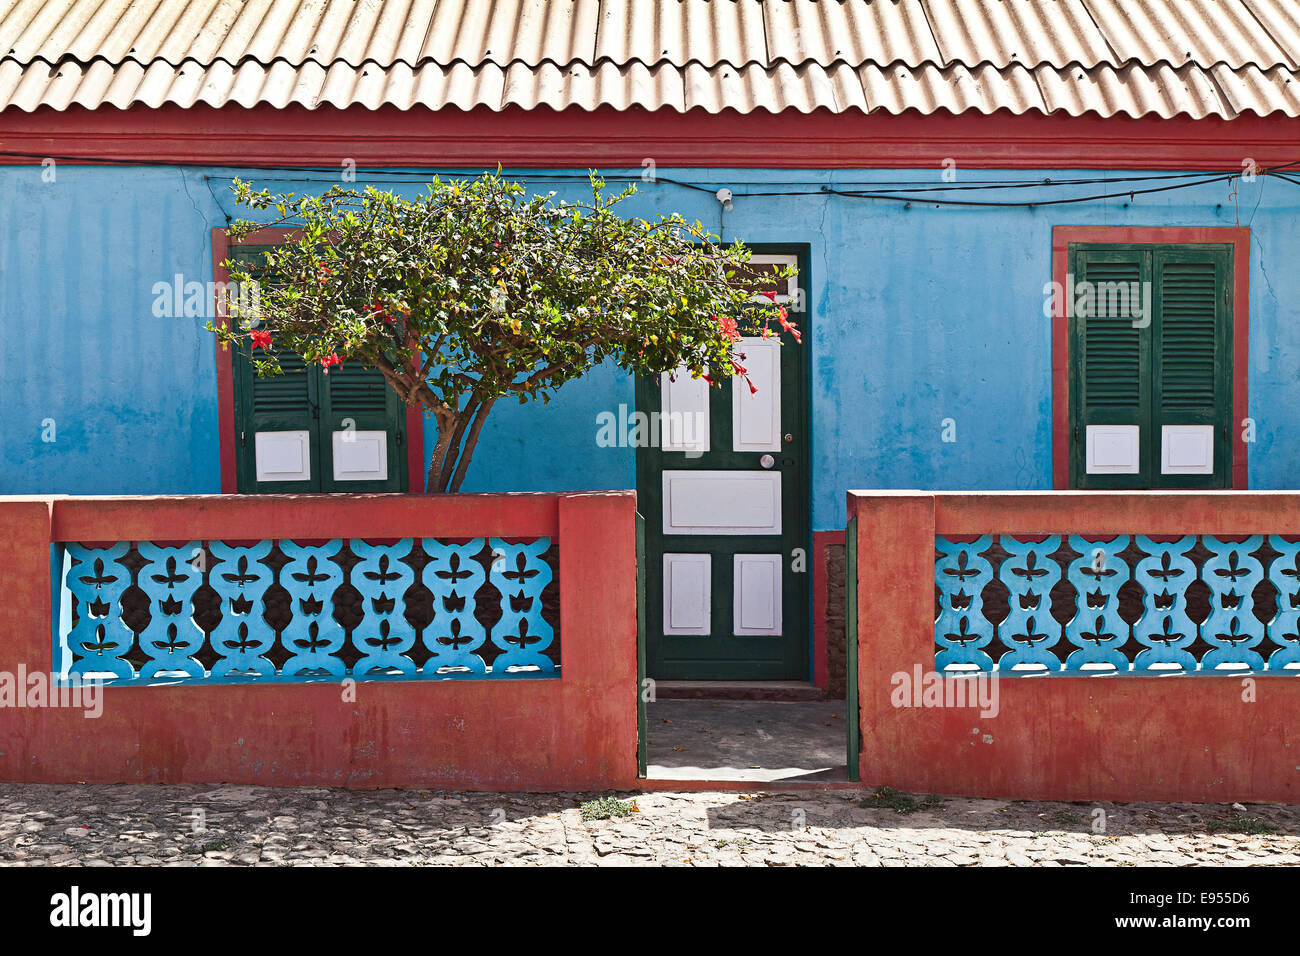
(1134, 91)
(662, 64)
(1029, 33)
(416, 107)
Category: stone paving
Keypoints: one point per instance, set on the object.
(241, 826)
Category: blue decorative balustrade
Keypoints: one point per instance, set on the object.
(1069, 604)
(212, 612)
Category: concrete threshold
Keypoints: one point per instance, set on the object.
(746, 743)
(745, 786)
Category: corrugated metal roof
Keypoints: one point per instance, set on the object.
(1133, 57)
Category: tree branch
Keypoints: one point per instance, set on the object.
(462, 422)
(470, 442)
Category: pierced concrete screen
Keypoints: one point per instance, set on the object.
(212, 612)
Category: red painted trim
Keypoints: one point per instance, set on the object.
(1240, 359)
(254, 517)
(226, 375)
(821, 575)
(1060, 363)
(1239, 238)
(1119, 512)
(388, 137)
(578, 732)
(221, 244)
(1126, 737)
(225, 372)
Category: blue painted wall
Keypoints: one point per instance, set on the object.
(919, 314)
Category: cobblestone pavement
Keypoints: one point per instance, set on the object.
(234, 825)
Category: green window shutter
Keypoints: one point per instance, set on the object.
(277, 447)
(1192, 402)
(300, 415)
(277, 444)
(363, 426)
(1110, 383)
(1151, 350)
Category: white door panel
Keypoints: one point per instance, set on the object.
(757, 586)
(684, 421)
(688, 593)
(756, 416)
(722, 502)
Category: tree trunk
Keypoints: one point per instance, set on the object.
(468, 453)
(433, 483)
(458, 434)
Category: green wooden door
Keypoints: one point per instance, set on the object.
(1151, 366)
(308, 430)
(724, 492)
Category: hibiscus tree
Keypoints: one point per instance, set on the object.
(476, 292)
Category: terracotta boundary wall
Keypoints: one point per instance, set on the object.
(1123, 737)
(572, 733)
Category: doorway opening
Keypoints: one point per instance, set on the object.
(748, 732)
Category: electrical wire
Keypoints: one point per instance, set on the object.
(423, 174)
(1037, 202)
(910, 192)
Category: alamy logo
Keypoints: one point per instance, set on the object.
(206, 300)
(673, 431)
(945, 690)
(38, 689)
(77, 909)
(1103, 300)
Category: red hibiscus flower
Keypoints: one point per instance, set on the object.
(328, 360)
(771, 296)
(260, 339)
(788, 326)
(753, 389)
(729, 328)
(376, 308)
